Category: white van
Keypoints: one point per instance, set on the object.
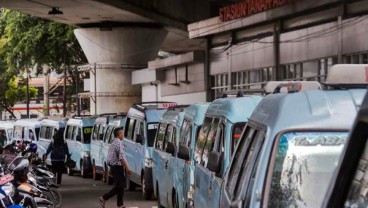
(7, 128)
(48, 128)
(78, 136)
(26, 130)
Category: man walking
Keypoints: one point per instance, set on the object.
(119, 167)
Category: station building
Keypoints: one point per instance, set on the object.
(254, 41)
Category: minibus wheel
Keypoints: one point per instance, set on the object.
(147, 193)
(82, 170)
(175, 199)
(69, 171)
(94, 172)
(130, 185)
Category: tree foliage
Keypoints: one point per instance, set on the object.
(28, 42)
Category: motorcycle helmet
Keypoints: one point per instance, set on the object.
(32, 147)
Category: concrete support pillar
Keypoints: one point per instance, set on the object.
(115, 53)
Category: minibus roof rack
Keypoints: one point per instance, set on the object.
(178, 107)
(291, 86)
(347, 76)
(153, 105)
(241, 92)
(82, 116)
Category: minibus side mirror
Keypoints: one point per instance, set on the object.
(214, 162)
(139, 139)
(183, 152)
(170, 148)
(78, 138)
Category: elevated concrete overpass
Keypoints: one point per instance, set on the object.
(119, 36)
(172, 15)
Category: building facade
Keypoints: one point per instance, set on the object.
(252, 42)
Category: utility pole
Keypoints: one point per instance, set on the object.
(64, 93)
(27, 92)
(76, 93)
(46, 88)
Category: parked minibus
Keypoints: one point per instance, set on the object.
(349, 183)
(26, 130)
(7, 129)
(164, 154)
(77, 134)
(48, 127)
(184, 175)
(290, 147)
(97, 141)
(224, 120)
(348, 187)
(140, 130)
(101, 166)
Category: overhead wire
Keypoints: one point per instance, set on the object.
(321, 33)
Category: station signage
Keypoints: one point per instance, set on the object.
(249, 7)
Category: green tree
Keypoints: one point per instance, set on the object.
(17, 92)
(27, 41)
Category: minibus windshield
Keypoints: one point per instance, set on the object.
(304, 163)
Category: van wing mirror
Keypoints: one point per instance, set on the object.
(214, 162)
(78, 138)
(139, 139)
(170, 148)
(183, 152)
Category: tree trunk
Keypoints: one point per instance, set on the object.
(8, 110)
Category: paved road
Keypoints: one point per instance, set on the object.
(83, 193)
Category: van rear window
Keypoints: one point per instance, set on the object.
(87, 132)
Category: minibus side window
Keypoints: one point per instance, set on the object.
(184, 133)
(160, 136)
(168, 135)
(210, 142)
(183, 127)
(36, 134)
(69, 132)
(130, 129)
(87, 135)
(19, 132)
(48, 133)
(101, 130)
(108, 131)
(237, 165)
(77, 134)
(43, 132)
(111, 136)
(31, 135)
(236, 133)
(201, 139)
(189, 137)
(151, 132)
(174, 136)
(95, 131)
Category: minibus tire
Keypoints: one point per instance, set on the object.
(82, 170)
(158, 197)
(147, 193)
(175, 199)
(69, 171)
(95, 175)
(130, 185)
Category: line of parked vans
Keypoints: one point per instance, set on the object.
(280, 148)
